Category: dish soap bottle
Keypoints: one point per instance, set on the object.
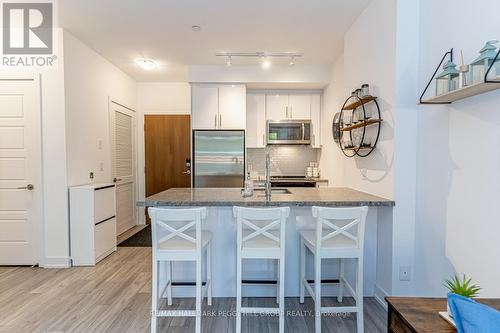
(248, 191)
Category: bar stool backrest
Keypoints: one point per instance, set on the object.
(267, 222)
(171, 223)
(340, 222)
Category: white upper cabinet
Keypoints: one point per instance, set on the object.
(316, 122)
(256, 121)
(277, 106)
(232, 107)
(299, 106)
(218, 106)
(204, 106)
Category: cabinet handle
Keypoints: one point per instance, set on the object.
(215, 121)
(291, 112)
(220, 121)
(286, 112)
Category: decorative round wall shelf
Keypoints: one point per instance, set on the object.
(356, 127)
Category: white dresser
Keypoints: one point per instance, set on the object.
(92, 223)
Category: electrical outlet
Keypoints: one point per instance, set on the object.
(404, 273)
(99, 144)
(101, 166)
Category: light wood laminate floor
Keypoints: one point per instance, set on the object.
(115, 296)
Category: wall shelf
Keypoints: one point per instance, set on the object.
(360, 124)
(358, 102)
(462, 93)
(488, 84)
(355, 139)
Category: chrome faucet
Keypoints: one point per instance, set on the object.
(268, 177)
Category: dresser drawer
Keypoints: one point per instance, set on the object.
(104, 238)
(104, 203)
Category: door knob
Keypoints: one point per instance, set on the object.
(29, 187)
(116, 180)
(187, 172)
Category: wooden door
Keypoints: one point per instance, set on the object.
(167, 141)
(20, 173)
(123, 160)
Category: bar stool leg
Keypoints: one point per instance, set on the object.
(154, 296)
(341, 281)
(169, 281)
(302, 269)
(209, 273)
(359, 296)
(278, 282)
(282, 296)
(317, 291)
(238, 291)
(198, 295)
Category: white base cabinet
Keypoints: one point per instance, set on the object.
(92, 223)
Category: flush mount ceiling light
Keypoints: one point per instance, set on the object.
(146, 64)
(195, 28)
(265, 57)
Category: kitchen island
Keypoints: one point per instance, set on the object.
(220, 221)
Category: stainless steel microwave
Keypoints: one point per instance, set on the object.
(288, 132)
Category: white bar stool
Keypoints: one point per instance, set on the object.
(261, 235)
(177, 236)
(334, 238)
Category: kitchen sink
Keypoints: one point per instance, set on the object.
(275, 190)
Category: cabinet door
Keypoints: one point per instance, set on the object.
(277, 106)
(204, 107)
(316, 123)
(299, 106)
(232, 107)
(256, 121)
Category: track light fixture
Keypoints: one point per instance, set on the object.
(265, 57)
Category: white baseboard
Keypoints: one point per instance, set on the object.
(380, 294)
(56, 262)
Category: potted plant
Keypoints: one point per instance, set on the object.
(463, 287)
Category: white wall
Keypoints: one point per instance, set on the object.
(378, 51)
(312, 75)
(90, 80)
(157, 98)
(369, 57)
(458, 161)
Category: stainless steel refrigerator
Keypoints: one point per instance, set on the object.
(218, 158)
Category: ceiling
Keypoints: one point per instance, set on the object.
(123, 30)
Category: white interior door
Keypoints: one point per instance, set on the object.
(123, 161)
(20, 173)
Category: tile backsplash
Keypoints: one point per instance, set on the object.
(285, 160)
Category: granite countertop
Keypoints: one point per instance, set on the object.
(327, 196)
